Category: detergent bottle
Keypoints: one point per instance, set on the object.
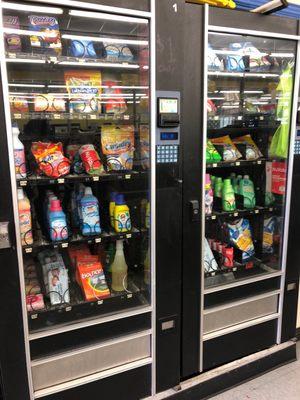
(19, 154)
(122, 221)
(25, 218)
(247, 191)
(57, 222)
(228, 197)
(119, 269)
(90, 213)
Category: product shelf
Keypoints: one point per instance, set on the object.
(258, 75)
(241, 213)
(77, 238)
(104, 118)
(36, 180)
(134, 296)
(238, 163)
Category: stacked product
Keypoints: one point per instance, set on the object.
(34, 296)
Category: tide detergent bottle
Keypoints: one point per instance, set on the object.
(90, 213)
(122, 221)
(57, 222)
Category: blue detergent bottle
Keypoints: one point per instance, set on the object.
(57, 222)
(90, 213)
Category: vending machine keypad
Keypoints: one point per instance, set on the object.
(166, 154)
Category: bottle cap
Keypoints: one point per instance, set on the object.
(88, 191)
(55, 205)
(113, 196)
(227, 182)
(120, 199)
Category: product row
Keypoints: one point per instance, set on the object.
(46, 38)
(52, 160)
(244, 57)
(82, 216)
(237, 246)
(102, 272)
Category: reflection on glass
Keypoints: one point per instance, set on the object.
(78, 85)
(249, 101)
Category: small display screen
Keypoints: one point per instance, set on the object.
(169, 136)
(168, 106)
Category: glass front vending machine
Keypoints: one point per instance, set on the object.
(77, 83)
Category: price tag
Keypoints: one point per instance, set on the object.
(235, 214)
(128, 176)
(64, 245)
(129, 235)
(256, 211)
(129, 295)
(17, 116)
(95, 178)
(98, 240)
(23, 183)
(53, 59)
(93, 116)
(126, 117)
(28, 250)
(68, 309)
(56, 116)
(60, 180)
(259, 162)
(237, 163)
(34, 316)
(99, 302)
(214, 165)
(213, 217)
(271, 209)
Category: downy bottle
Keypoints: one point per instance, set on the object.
(25, 218)
(90, 213)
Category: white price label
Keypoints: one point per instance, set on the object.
(34, 316)
(99, 302)
(215, 165)
(237, 163)
(129, 295)
(28, 250)
(68, 309)
(98, 240)
(213, 217)
(127, 176)
(93, 116)
(129, 235)
(60, 180)
(64, 245)
(95, 178)
(23, 183)
(56, 116)
(256, 211)
(17, 116)
(235, 214)
(259, 162)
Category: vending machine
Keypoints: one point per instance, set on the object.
(77, 205)
(241, 85)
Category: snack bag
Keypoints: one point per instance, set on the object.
(145, 146)
(230, 152)
(241, 237)
(73, 155)
(212, 155)
(114, 102)
(82, 49)
(58, 283)
(118, 147)
(117, 52)
(35, 302)
(45, 33)
(84, 88)
(12, 40)
(92, 280)
(91, 160)
(47, 102)
(50, 159)
(235, 61)
(18, 104)
(268, 236)
(213, 61)
(210, 263)
(252, 151)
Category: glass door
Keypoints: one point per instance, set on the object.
(249, 103)
(78, 88)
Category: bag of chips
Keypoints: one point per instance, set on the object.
(91, 160)
(252, 151)
(241, 237)
(49, 103)
(212, 155)
(50, 159)
(73, 155)
(145, 146)
(12, 40)
(117, 52)
(118, 147)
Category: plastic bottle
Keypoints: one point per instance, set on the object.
(122, 221)
(112, 205)
(236, 184)
(218, 187)
(147, 268)
(19, 154)
(25, 218)
(119, 269)
(90, 213)
(209, 196)
(57, 222)
(228, 197)
(247, 191)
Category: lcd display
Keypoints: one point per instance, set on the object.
(168, 106)
(169, 136)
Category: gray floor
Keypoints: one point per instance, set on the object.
(280, 384)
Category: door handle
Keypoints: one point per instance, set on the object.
(194, 210)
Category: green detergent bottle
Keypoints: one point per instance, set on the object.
(247, 190)
(236, 184)
(218, 187)
(228, 197)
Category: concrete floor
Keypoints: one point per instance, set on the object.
(280, 384)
